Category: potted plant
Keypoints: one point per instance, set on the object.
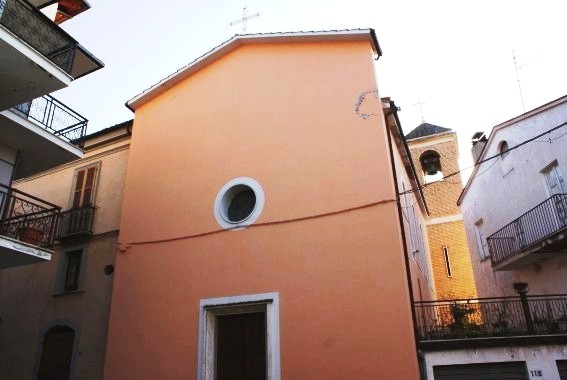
(459, 313)
(542, 323)
(562, 322)
(30, 235)
(500, 327)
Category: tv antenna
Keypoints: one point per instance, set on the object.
(518, 78)
(244, 20)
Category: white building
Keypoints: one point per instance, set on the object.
(515, 205)
(515, 213)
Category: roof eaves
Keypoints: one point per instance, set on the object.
(240, 39)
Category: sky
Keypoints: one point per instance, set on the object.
(454, 57)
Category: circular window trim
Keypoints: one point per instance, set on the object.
(225, 195)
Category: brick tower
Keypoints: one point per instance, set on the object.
(435, 154)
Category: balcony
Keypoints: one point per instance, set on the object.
(46, 133)
(537, 234)
(27, 226)
(36, 56)
(75, 223)
(483, 320)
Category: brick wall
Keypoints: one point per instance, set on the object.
(452, 235)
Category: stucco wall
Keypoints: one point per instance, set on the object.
(283, 114)
(504, 189)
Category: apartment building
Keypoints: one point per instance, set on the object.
(37, 132)
(55, 314)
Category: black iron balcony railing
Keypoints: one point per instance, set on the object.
(38, 31)
(76, 222)
(27, 218)
(536, 225)
(57, 118)
(491, 317)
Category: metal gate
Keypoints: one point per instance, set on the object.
(483, 371)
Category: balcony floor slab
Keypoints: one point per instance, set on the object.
(544, 249)
(38, 148)
(25, 74)
(14, 253)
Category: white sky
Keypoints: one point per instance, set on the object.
(455, 56)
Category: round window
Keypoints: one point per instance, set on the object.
(239, 203)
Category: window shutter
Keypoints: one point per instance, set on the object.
(88, 189)
(78, 188)
(84, 188)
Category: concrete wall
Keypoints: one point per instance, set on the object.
(29, 300)
(283, 114)
(503, 189)
(539, 359)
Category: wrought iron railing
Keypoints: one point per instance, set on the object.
(57, 118)
(75, 222)
(26, 218)
(38, 31)
(539, 223)
(491, 317)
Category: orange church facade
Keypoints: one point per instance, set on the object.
(260, 232)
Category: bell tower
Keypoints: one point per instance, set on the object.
(435, 154)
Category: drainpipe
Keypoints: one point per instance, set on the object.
(422, 365)
(522, 289)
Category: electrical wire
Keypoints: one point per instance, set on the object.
(301, 218)
(418, 188)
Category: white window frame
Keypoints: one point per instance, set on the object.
(210, 308)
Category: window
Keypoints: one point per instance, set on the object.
(416, 236)
(239, 203)
(506, 165)
(556, 185)
(84, 186)
(71, 272)
(57, 352)
(554, 179)
(481, 241)
(239, 338)
(503, 149)
(447, 261)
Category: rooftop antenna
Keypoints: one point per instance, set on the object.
(244, 20)
(518, 78)
(419, 103)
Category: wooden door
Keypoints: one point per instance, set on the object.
(56, 353)
(241, 346)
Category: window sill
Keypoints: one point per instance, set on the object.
(66, 293)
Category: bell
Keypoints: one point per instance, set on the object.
(431, 169)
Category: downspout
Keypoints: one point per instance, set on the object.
(422, 365)
(404, 243)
